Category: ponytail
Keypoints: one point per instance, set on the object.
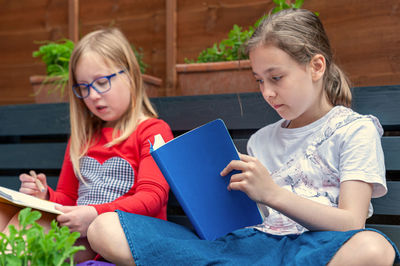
(337, 86)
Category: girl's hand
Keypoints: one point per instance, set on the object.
(254, 180)
(77, 218)
(28, 185)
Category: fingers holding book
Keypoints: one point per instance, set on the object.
(252, 178)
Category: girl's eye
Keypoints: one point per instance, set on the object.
(101, 82)
(277, 78)
(260, 81)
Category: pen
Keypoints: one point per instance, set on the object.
(37, 181)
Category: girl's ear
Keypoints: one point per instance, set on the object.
(318, 67)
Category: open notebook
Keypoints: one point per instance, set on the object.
(13, 197)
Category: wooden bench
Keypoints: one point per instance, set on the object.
(34, 137)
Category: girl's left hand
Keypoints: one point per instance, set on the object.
(254, 180)
(77, 218)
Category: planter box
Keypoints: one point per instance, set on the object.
(152, 85)
(44, 92)
(215, 78)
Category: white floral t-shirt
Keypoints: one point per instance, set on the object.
(313, 160)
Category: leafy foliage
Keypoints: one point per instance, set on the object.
(232, 48)
(29, 245)
(282, 4)
(139, 56)
(56, 56)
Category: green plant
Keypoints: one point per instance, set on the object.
(139, 56)
(56, 56)
(30, 245)
(232, 48)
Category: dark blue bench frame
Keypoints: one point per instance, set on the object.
(34, 137)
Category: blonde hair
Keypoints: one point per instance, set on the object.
(111, 45)
(300, 34)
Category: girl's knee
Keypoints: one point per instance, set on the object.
(8, 215)
(100, 228)
(369, 248)
(377, 247)
(107, 238)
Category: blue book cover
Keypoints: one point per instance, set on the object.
(191, 164)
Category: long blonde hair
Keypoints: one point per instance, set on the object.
(111, 45)
(300, 34)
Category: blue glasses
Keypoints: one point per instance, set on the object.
(100, 85)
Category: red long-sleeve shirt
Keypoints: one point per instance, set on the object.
(109, 173)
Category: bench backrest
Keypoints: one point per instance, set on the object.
(34, 137)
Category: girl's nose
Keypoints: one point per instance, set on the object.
(267, 91)
(93, 95)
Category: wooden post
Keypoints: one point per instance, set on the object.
(73, 20)
(171, 50)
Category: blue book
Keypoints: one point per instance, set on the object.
(191, 164)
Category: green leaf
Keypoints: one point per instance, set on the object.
(32, 217)
(12, 231)
(12, 260)
(55, 54)
(30, 245)
(298, 3)
(139, 56)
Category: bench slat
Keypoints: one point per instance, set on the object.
(391, 149)
(32, 155)
(241, 145)
(13, 182)
(388, 204)
(237, 110)
(380, 101)
(34, 119)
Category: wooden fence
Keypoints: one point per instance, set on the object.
(364, 34)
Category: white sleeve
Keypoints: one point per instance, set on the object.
(250, 145)
(361, 156)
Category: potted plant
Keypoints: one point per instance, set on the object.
(56, 56)
(51, 87)
(224, 67)
(31, 245)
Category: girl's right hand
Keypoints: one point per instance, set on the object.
(28, 185)
(254, 179)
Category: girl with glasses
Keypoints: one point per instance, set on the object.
(313, 173)
(107, 164)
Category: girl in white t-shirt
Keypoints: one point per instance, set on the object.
(313, 173)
